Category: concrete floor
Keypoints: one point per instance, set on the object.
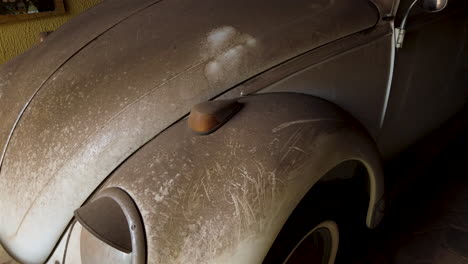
(428, 222)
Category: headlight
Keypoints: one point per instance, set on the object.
(107, 230)
(83, 247)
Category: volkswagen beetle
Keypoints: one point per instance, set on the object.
(183, 131)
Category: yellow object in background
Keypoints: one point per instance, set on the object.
(17, 37)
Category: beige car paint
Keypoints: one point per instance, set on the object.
(102, 99)
(50, 56)
(75, 132)
(207, 210)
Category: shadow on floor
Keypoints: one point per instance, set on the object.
(428, 222)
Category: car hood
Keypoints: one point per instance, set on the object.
(91, 95)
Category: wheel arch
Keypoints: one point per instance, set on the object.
(238, 185)
(373, 185)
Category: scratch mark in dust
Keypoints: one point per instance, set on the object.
(298, 149)
(288, 124)
(290, 138)
(293, 145)
(206, 191)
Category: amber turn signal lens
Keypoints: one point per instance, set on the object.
(206, 117)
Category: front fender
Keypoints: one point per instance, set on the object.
(223, 198)
(77, 105)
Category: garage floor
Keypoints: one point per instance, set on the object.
(427, 223)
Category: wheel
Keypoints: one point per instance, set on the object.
(320, 245)
(322, 227)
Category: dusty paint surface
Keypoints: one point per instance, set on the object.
(222, 198)
(228, 48)
(17, 37)
(113, 96)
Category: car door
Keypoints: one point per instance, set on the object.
(430, 81)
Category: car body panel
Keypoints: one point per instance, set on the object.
(21, 80)
(387, 8)
(349, 79)
(207, 210)
(430, 80)
(115, 94)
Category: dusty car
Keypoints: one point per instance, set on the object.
(218, 131)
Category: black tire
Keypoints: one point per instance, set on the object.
(343, 202)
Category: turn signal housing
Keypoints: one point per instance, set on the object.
(207, 117)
